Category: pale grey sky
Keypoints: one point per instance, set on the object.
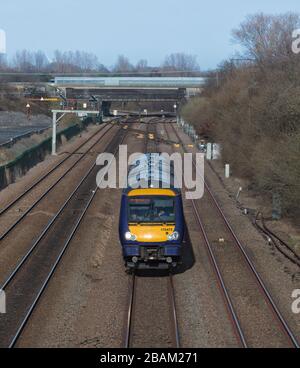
(138, 29)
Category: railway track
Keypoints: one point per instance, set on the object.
(253, 312)
(10, 209)
(161, 324)
(47, 174)
(27, 282)
(282, 246)
(150, 323)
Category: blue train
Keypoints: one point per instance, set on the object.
(151, 226)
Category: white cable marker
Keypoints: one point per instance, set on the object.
(227, 171)
(2, 302)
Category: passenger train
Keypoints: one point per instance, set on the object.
(151, 226)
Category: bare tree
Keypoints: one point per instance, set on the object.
(181, 62)
(123, 65)
(40, 61)
(267, 39)
(142, 65)
(83, 60)
(24, 61)
(58, 64)
(75, 61)
(3, 62)
(102, 68)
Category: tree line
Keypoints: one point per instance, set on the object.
(82, 62)
(251, 105)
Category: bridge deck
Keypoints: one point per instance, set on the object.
(130, 82)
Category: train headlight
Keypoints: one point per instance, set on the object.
(173, 236)
(129, 236)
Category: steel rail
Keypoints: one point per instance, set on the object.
(45, 230)
(132, 292)
(174, 312)
(220, 279)
(49, 189)
(232, 313)
(274, 238)
(12, 203)
(62, 252)
(255, 273)
(129, 320)
(130, 312)
(268, 297)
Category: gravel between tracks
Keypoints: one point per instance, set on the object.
(10, 192)
(85, 303)
(281, 276)
(203, 320)
(20, 239)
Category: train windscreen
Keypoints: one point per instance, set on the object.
(151, 209)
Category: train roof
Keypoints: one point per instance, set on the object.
(151, 171)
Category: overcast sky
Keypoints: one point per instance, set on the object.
(136, 28)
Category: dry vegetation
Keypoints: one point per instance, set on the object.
(253, 109)
(10, 101)
(8, 154)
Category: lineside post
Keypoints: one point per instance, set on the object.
(54, 133)
(209, 151)
(227, 171)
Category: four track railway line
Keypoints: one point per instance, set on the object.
(255, 318)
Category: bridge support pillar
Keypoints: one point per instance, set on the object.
(106, 108)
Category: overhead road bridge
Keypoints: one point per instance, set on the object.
(130, 82)
(129, 88)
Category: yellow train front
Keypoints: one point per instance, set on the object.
(151, 227)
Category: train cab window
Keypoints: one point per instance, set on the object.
(163, 210)
(151, 209)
